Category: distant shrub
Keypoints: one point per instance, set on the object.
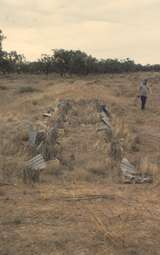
(34, 102)
(98, 171)
(27, 89)
(3, 87)
(17, 221)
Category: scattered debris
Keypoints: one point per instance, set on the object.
(127, 168)
(49, 115)
(46, 142)
(37, 163)
(32, 137)
(104, 108)
(130, 174)
(31, 172)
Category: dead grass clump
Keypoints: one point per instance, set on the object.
(122, 133)
(50, 84)
(146, 166)
(116, 151)
(139, 120)
(17, 221)
(53, 167)
(15, 143)
(10, 168)
(2, 193)
(83, 112)
(35, 102)
(30, 175)
(99, 172)
(135, 144)
(27, 89)
(3, 87)
(117, 92)
(106, 171)
(12, 155)
(23, 135)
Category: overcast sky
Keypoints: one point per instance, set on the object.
(103, 28)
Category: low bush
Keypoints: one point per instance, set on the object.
(3, 87)
(27, 89)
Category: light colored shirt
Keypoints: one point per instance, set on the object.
(143, 90)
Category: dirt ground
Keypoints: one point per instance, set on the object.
(79, 207)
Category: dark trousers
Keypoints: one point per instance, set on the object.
(143, 102)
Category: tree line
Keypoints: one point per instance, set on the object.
(68, 62)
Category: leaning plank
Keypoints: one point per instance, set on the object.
(104, 109)
(130, 174)
(106, 121)
(127, 167)
(32, 137)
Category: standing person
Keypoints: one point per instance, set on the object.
(143, 93)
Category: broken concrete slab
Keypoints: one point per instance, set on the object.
(138, 179)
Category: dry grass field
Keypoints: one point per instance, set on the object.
(80, 206)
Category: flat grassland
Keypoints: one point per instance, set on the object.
(79, 207)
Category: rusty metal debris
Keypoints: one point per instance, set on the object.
(45, 142)
(37, 163)
(131, 175)
(31, 172)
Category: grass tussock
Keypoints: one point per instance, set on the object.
(53, 167)
(27, 89)
(149, 167)
(3, 87)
